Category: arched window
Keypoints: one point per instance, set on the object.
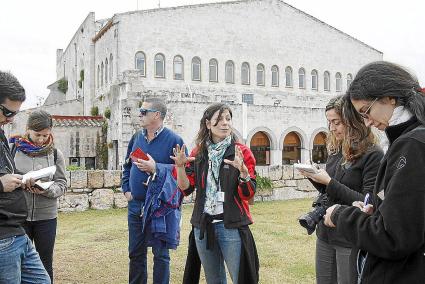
(349, 80)
(102, 70)
(98, 76)
(140, 62)
(301, 78)
(338, 82)
(275, 76)
(111, 67)
(213, 68)
(288, 76)
(106, 71)
(196, 69)
(326, 81)
(319, 154)
(178, 68)
(230, 72)
(260, 147)
(159, 66)
(260, 75)
(291, 152)
(314, 80)
(245, 74)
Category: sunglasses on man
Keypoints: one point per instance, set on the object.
(144, 111)
(7, 112)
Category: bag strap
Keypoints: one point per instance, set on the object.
(55, 155)
(13, 150)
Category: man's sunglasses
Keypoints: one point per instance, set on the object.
(7, 112)
(144, 111)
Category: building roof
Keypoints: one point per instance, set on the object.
(232, 2)
(77, 121)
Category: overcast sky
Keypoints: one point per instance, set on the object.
(31, 31)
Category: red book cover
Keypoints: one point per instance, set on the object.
(138, 154)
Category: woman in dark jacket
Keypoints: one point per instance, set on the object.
(222, 171)
(391, 234)
(350, 174)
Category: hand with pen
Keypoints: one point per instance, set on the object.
(365, 206)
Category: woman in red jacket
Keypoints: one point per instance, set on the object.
(222, 171)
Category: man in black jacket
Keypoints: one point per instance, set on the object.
(19, 262)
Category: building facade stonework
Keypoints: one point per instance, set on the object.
(275, 65)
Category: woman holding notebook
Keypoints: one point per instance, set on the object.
(350, 174)
(34, 151)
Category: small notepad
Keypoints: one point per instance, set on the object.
(45, 172)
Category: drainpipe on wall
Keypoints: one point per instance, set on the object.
(244, 121)
(76, 71)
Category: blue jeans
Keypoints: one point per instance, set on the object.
(137, 250)
(20, 263)
(227, 248)
(43, 234)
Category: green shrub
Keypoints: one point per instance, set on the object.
(94, 111)
(107, 113)
(63, 85)
(264, 185)
(264, 182)
(74, 168)
(80, 82)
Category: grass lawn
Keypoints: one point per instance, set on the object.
(91, 247)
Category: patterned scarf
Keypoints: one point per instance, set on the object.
(215, 158)
(26, 146)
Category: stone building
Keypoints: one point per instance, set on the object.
(275, 65)
(78, 137)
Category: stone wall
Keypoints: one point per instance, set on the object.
(102, 189)
(287, 182)
(92, 190)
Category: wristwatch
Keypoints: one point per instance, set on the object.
(247, 179)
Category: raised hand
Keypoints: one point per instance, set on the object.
(238, 162)
(180, 159)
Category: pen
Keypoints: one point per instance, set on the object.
(366, 199)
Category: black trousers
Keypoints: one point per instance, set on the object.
(43, 235)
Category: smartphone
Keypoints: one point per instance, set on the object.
(138, 154)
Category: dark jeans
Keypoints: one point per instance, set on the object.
(43, 234)
(137, 250)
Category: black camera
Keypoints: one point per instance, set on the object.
(312, 218)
